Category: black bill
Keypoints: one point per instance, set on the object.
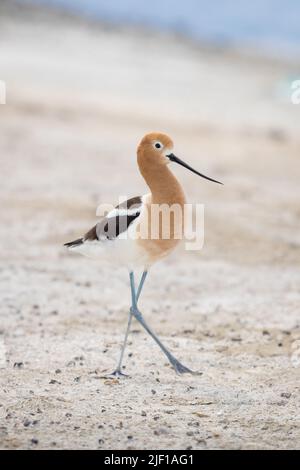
(173, 158)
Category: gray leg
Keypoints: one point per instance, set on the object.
(118, 372)
(179, 368)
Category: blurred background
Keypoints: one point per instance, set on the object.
(267, 26)
(85, 80)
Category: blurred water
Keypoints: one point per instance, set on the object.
(267, 26)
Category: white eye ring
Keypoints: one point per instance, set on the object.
(157, 145)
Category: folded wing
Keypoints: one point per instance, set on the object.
(116, 222)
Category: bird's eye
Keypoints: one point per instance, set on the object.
(157, 145)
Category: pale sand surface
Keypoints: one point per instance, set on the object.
(80, 96)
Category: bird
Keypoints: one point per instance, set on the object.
(125, 235)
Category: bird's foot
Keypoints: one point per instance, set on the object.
(117, 374)
(181, 369)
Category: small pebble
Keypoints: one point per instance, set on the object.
(286, 395)
(19, 365)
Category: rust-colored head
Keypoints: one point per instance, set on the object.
(153, 149)
(156, 151)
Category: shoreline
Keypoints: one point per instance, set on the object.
(242, 53)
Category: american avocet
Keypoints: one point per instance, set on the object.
(124, 235)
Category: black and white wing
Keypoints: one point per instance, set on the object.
(116, 222)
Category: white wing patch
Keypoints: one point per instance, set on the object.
(120, 212)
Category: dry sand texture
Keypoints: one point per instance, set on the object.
(79, 97)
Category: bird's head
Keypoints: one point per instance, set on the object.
(156, 149)
(153, 149)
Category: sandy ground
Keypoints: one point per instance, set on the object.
(79, 97)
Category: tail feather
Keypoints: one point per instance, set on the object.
(77, 242)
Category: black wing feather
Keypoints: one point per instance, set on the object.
(111, 227)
